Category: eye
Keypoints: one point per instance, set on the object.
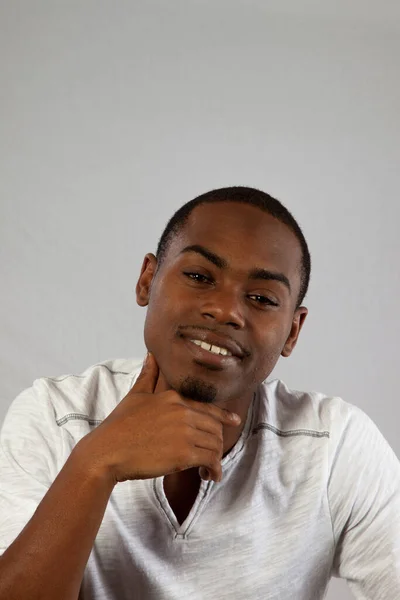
(199, 277)
(263, 300)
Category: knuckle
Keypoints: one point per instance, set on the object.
(170, 396)
(186, 455)
(218, 431)
(176, 409)
(211, 410)
(187, 411)
(191, 457)
(217, 443)
(187, 432)
(213, 459)
(185, 415)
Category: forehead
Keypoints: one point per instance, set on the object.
(243, 234)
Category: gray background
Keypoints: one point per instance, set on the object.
(116, 113)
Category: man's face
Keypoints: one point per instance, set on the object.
(230, 279)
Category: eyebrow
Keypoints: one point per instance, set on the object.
(221, 263)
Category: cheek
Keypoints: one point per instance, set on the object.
(264, 366)
(267, 359)
(162, 319)
(269, 336)
(166, 295)
(268, 349)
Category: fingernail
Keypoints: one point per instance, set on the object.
(235, 417)
(205, 475)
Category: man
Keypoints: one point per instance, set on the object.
(192, 477)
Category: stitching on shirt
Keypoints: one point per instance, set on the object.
(77, 417)
(58, 379)
(290, 433)
(162, 507)
(200, 505)
(62, 378)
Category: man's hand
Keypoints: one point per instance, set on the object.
(153, 434)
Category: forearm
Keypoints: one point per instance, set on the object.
(48, 558)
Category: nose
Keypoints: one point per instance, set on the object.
(223, 307)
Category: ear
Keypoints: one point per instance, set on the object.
(146, 276)
(298, 321)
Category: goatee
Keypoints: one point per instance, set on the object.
(196, 389)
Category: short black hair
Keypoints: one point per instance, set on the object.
(244, 195)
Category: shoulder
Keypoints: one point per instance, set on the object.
(91, 394)
(312, 412)
(95, 391)
(354, 447)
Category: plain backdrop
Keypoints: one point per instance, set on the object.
(113, 114)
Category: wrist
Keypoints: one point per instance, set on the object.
(90, 464)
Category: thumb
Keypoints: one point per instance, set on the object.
(147, 378)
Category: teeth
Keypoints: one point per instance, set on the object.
(197, 342)
(205, 346)
(211, 348)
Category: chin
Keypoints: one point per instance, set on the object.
(197, 389)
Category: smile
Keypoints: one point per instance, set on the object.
(212, 348)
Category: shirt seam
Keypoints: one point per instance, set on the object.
(190, 526)
(77, 417)
(331, 520)
(161, 507)
(63, 377)
(290, 432)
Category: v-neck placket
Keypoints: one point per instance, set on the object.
(181, 531)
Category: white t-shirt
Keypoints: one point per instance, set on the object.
(310, 490)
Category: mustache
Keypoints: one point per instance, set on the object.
(221, 332)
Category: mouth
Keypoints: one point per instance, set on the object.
(210, 356)
(212, 349)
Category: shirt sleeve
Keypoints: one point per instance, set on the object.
(30, 450)
(364, 496)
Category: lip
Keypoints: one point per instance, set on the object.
(215, 339)
(205, 357)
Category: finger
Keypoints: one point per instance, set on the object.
(204, 474)
(208, 441)
(207, 461)
(212, 442)
(220, 414)
(147, 378)
(209, 465)
(207, 424)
